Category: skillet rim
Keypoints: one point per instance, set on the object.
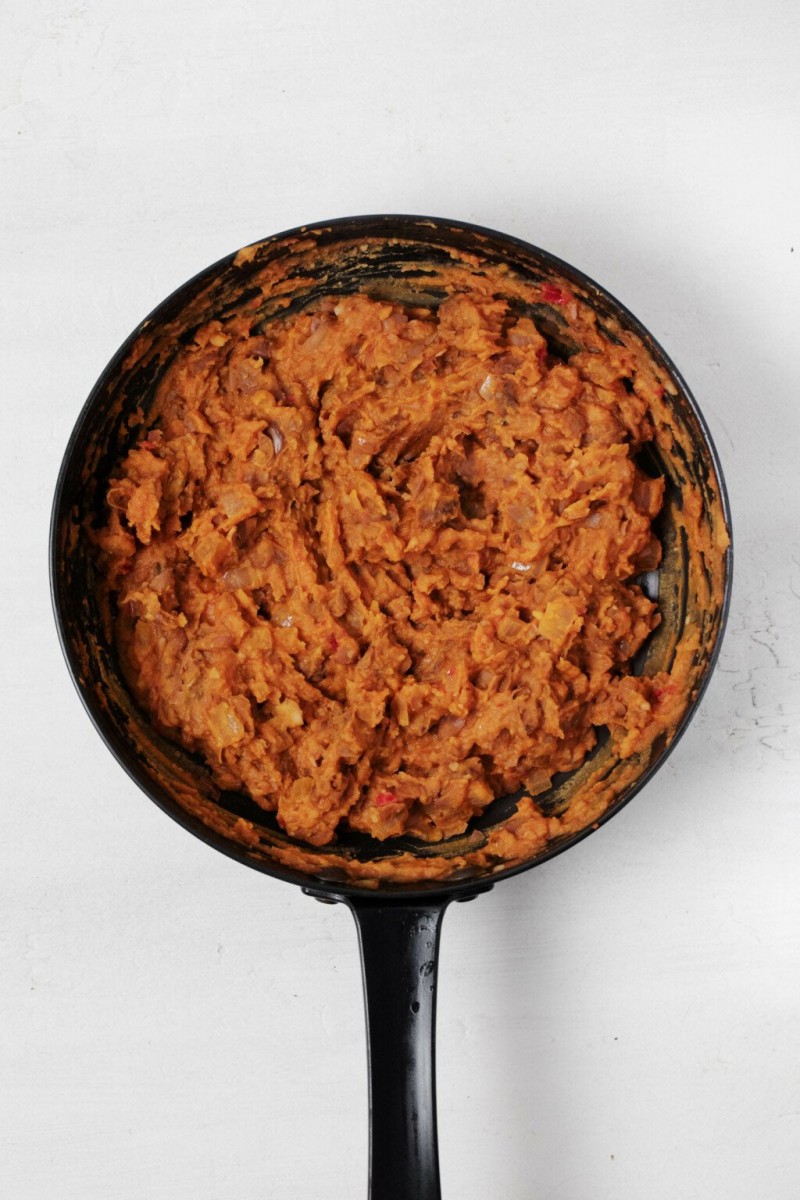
(384, 892)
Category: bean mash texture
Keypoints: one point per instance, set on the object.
(375, 563)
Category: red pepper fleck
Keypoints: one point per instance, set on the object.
(147, 445)
(554, 295)
(541, 354)
(333, 643)
(384, 798)
(660, 691)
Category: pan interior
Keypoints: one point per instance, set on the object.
(410, 261)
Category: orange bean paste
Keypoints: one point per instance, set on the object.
(376, 565)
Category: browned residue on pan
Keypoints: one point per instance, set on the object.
(598, 374)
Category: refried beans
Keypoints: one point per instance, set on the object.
(376, 564)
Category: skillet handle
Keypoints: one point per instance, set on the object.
(399, 955)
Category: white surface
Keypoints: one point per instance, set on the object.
(622, 1023)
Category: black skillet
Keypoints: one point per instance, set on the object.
(403, 258)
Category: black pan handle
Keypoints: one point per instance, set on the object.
(399, 957)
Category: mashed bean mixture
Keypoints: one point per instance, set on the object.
(375, 564)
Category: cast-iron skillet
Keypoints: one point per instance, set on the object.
(414, 260)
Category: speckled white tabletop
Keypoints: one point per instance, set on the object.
(621, 1023)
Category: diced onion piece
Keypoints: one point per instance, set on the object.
(288, 714)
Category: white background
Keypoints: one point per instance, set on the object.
(623, 1022)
